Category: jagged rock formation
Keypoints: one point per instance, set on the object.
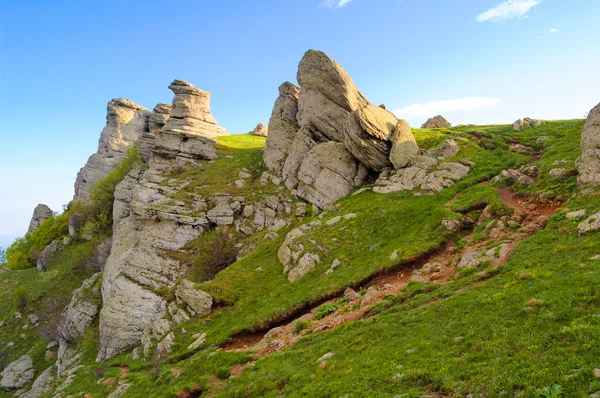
(436, 122)
(329, 109)
(526, 123)
(126, 122)
(147, 222)
(588, 164)
(156, 121)
(40, 214)
(44, 257)
(261, 130)
(189, 133)
(17, 374)
(283, 127)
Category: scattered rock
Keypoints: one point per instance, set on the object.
(350, 295)
(436, 122)
(560, 173)
(526, 123)
(325, 357)
(33, 319)
(522, 149)
(261, 130)
(199, 302)
(221, 214)
(447, 149)
(333, 221)
(17, 374)
(306, 264)
(45, 255)
(532, 171)
(514, 175)
(454, 225)
(591, 224)
(576, 214)
(369, 297)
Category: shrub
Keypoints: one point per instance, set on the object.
(20, 298)
(220, 254)
(18, 260)
(325, 310)
(300, 326)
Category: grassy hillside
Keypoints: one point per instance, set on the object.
(524, 328)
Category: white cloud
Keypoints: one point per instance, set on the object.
(334, 3)
(554, 30)
(509, 9)
(447, 106)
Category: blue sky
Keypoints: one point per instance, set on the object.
(475, 61)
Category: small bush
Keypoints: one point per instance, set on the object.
(300, 326)
(220, 254)
(325, 310)
(20, 298)
(18, 260)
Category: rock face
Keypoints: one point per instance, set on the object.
(190, 131)
(198, 302)
(328, 172)
(45, 255)
(158, 118)
(17, 374)
(126, 122)
(436, 122)
(368, 132)
(328, 95)
(283, 127)
(261, 130)
(40, 214)
(588, 163)
(404, 145)
(148, 222)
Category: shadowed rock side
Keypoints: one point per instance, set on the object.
(588, 164)
(157, 120)
(147, 222)
(436, 122)
(40, 214)
(328, 108)
(126, 122)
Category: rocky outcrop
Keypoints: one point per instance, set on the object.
(158, 118)
(40, 214)
(436, 122)
(404, 145)
(198, 302)
(283, 127)
(45, 255)
(126, 122)
(368, 132)
(190, 131)
(148, 222)
(328, 95)
(17, 374)
(328, 173)
(261, 130)
(446, 149)
(41, 385)
(526, 123)
(588, 164)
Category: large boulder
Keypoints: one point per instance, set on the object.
(126, 122)
(328, 173)
(328, 95)
(198, 302)
(45, 255)
(436, 122)
(588, 164)
(190, 132)
(261, 130)
(368, 133)
(404, 145)
(526, 123)
(17, 374)
(40, 214)
(283, 127)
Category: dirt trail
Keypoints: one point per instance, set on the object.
(438, 267)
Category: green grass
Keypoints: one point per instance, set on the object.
(481, 333)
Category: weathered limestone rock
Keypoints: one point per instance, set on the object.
(41, 385)
(327, 174)
(591, 224)
(302, 144)
(306, 264)
(588, 164)
(526, 123)
(199, 303)
(444, 176)
(190, 131)
(158, 118)
(222, 213)
(328, 96)
(283, 127)
(436, 122)
(125, 123)
(404, 145)
(515, 176)
(447, 149)
(44, 257)
(17, 374)
(261, 130)
(40, 214)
